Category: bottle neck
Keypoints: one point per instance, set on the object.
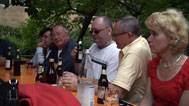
(40, 69)
(17, 56)
(9, 53)
(59, 63)
(103, 72)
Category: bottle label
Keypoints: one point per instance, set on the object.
(85, 94)
(92, 92)
(80, 55)
(8, 63)
(101, 91)
(40, 70)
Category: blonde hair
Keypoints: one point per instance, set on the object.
(174, 25)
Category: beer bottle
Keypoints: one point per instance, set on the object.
(41, 78)
(59, 71)
(79, 54)
(51, 75)
(13, 92)
(17, 63)
(8, 64)
(102, 85)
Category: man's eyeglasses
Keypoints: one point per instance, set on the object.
(114, 35)
(97, 31)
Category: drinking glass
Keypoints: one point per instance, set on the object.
(111, 97)
(29, 64)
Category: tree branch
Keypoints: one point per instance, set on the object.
(81, 12)
(135, 12)
(86, 23)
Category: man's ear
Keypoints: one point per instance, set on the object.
(130, 34)
(130, 37)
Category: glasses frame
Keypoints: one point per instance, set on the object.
(115, 35)
(97, 31)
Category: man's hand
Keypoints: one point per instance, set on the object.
(73, 53)
(41, 44)
(70, 81)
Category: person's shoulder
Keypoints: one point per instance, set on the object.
(94, 45)
(4, 41)
(142, 43)
(72, 42)
(140, 47)
(113, 45)
(186, 64)
(112, 49)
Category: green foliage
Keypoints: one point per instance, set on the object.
(24, 37)
(13, 34)
(30, 36)
(87, 40)
(6, 30)
(76, 15)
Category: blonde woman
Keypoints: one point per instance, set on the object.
(168, 72)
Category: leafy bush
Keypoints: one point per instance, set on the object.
(24, 37)
(13, 34)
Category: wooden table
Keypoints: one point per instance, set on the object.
(27, 77)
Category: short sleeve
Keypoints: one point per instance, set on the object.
(184, 75)
(128, 71)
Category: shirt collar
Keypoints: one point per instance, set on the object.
(132, 43)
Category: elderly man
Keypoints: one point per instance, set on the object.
(103, 51)
(134, 57)
(63, 47)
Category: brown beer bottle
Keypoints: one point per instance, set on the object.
(102, 85)
(17, 63)
(8, 63)
(51, 75)
(59, 69)
(79, 54)
(41, 77)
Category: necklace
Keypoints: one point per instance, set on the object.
(177, 60)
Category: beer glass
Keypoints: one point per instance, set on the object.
(111, 97)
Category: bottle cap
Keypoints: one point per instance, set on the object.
(104, 66)
(60, 58)
(40, 63)
(80, 42)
